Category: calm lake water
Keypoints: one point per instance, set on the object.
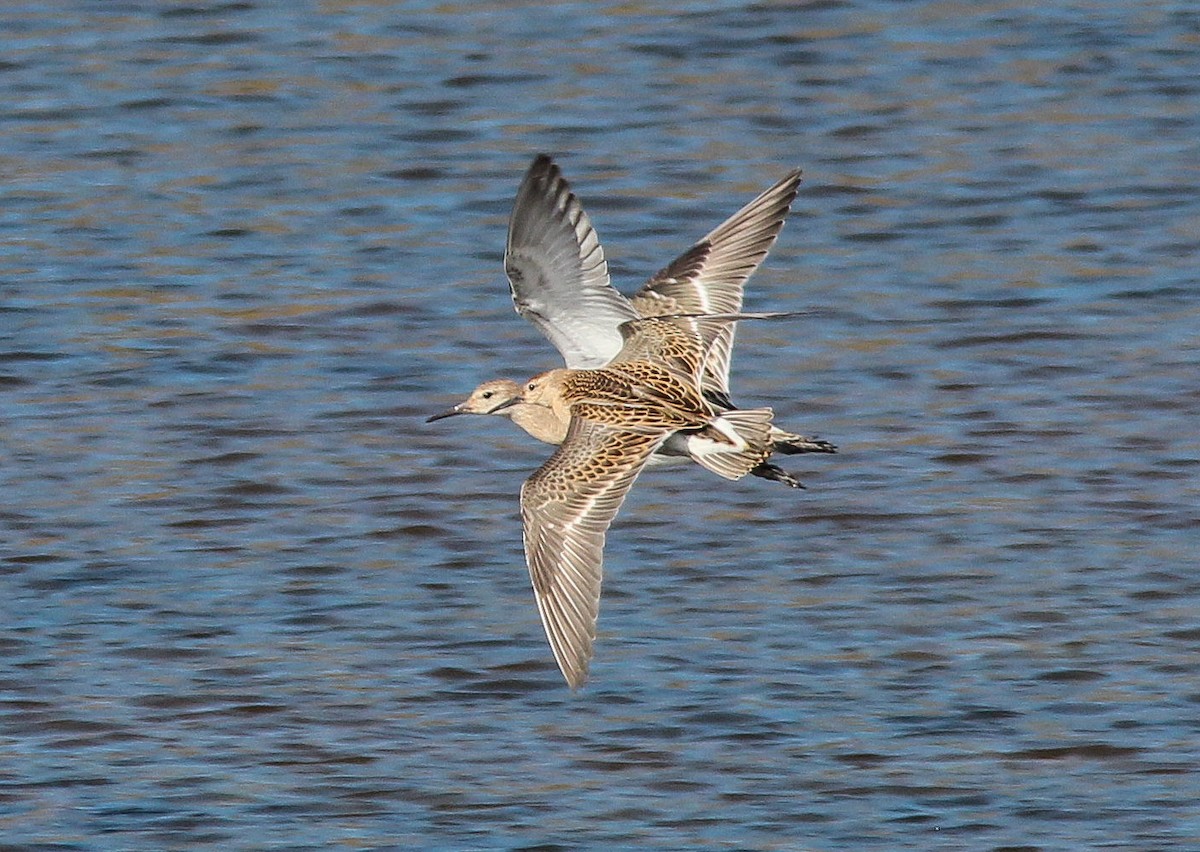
(250, 600)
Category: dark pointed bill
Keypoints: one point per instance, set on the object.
(508, 403)
(449, 412)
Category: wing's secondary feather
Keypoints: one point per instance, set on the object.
(567, 506)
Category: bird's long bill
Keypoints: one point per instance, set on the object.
(508, 403)
(449, 412)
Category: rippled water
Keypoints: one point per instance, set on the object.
(250, 600)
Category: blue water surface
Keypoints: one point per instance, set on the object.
(250, 600)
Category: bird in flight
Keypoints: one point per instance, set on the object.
(646, 381)
(559, 282)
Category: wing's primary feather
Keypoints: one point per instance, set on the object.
(557, 272)
(710, 277)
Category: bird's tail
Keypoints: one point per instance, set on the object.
(733, 443)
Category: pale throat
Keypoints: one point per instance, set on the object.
(539, 421)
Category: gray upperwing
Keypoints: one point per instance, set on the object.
(557, 272)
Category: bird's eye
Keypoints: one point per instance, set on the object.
(532, 386)
(488, 394)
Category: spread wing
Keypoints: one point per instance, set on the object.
(566, 508)
(557, 272)
(710, 277)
